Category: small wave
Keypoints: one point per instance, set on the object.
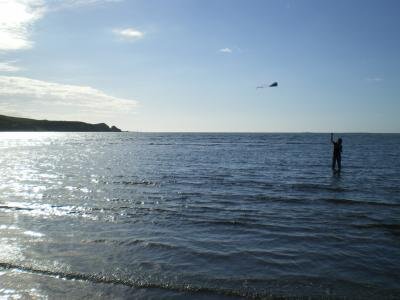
(129, 282)
(359, 202)
(46, 210)
(230, 223)
(313, 187)
(297, 143)
(6, 207)
(278, 229)
(161, 144)
(133, 242)
(155, 245)
(33, 233)
(99, 241)
(392, 228)
(133, 182)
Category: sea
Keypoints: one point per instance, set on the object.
(198, 216)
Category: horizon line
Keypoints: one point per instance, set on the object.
(261, 132)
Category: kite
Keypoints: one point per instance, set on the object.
(274, 84)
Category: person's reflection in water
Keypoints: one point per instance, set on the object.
(337, 154)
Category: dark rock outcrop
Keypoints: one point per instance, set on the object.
(23, 124)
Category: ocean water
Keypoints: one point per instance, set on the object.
(198, 216)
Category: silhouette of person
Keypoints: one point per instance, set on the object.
(337, 153)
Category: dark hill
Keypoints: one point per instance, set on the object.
(23, 124)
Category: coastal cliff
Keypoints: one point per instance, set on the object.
(23, 124)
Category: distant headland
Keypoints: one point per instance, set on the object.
(23, 124)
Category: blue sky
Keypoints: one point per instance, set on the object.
(184, 65)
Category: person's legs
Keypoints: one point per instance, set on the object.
(333, 162)
(339, 162)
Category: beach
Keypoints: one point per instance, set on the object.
(198, 216)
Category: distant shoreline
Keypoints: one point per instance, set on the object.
(14, 124)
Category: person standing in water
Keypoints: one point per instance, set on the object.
(337, 153)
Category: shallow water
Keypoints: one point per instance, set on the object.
(204, 216)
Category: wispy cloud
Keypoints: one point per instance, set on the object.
(42, 99)
(9, 66)
(374, 79)
(63, 4)
(226, 50)
(128, 33)
(16, 18)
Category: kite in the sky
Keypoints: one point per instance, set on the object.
(274, 84)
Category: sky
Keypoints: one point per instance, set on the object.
(194, 65)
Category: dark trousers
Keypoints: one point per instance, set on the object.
(336, 159)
